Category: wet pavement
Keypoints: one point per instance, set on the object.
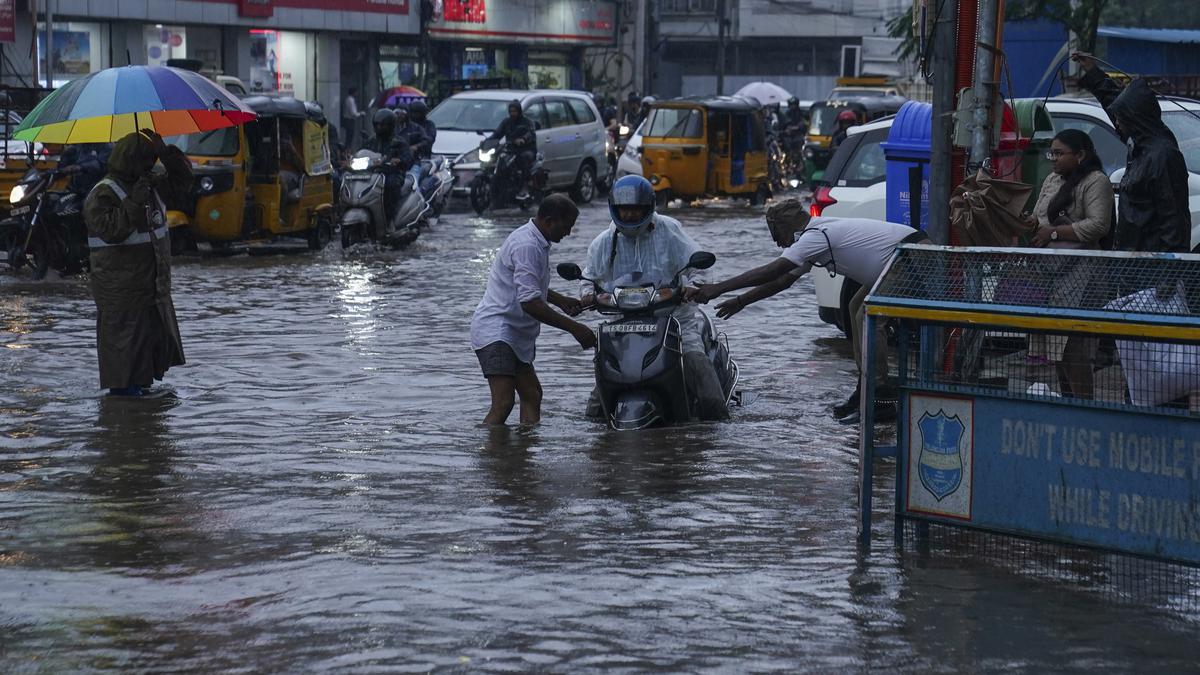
(321, 497)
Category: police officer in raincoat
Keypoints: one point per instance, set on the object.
(137, 335)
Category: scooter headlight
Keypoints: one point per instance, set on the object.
(206, 183)
(485, 156)
(623, 130)
(360, 163)
(17, 194)
(634, 298)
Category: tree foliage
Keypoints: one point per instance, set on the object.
(1081, 17)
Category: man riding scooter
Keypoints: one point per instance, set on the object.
(520, 138)
(397, 157)
(641, 240)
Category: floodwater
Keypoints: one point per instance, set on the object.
(322, 498)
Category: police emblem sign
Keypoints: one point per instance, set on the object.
(940, 455)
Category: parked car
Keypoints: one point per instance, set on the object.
(855, 182)
(570, 134)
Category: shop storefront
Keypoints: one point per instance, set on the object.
(538, 43)
(291, 47)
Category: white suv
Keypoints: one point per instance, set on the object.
(570, 135)
(857, 181)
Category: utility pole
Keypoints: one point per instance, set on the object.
(640, 50)
(720, 47)
(985, 90)
(943, 66)
(49, 44)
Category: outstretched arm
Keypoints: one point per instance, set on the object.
(755, 277)
(761, 292)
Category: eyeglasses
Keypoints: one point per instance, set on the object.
(1055, 154)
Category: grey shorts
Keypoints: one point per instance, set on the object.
(499, 359)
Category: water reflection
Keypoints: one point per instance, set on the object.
(140, 520)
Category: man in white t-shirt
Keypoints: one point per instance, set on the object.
(857, 248)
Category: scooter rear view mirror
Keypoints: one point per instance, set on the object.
(702, 260)
(569, 271)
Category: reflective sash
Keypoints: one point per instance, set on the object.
(136, 237)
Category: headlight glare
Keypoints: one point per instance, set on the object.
(360, 163)
(486, 156)
(206, 184)
(17, 194)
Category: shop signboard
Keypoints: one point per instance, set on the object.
(266, 8)
(532, 21)
(259, 9)
(8, 21)
(1114, 480)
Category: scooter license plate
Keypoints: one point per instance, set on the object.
(19, 211)
(631, 328)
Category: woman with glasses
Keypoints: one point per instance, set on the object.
(1074, 210)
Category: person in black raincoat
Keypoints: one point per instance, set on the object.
(137, 334)
(397, 159)
(1152, 213)
(520, 137)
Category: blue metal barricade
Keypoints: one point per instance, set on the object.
(1046, 394)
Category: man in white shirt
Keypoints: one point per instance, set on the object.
(350, 117)
(507, 322)
(858, 248)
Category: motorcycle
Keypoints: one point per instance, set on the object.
(499, 180)
(640, 375)
(364, 214)
(45, 228)
(614, 146)
(437, 182)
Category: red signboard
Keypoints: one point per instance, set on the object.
(466, 11)
(8, 21)
(266, 8)
(261, 9)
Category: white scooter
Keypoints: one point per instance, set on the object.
(363, 205)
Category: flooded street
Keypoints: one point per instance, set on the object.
(322, 496)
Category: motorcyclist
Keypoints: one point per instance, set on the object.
(418, 115)
(633, 111)
(641, 240)
(844, 120)
(86, 163)
(647, 101)
(794, 120)
(397, 158)
(518, 132)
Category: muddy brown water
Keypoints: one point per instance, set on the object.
(321, 497)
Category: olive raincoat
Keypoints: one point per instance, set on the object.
(137, 336)
(1152, 213)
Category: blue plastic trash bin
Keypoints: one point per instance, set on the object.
(907, 151)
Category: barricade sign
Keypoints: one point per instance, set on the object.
(1052, 395)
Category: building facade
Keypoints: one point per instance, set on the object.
(314, 49)
(802, 45)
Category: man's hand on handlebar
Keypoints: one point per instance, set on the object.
(571, 306)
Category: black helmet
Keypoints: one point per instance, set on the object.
(418, 109)
(633, 97)
(384, 122)
(793, 102)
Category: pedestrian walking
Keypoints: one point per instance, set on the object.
(350, 118)
(509, 318)
(137, 335)
(858, 248)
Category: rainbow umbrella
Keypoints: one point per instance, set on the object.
(106, 106)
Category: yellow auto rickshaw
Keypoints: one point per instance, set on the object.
(272, 177)
(711, 146)
(823, 126)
